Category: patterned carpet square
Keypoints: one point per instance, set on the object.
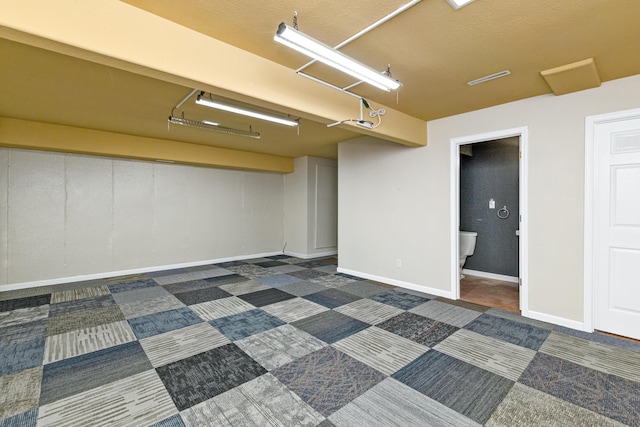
(150, 306)
(191, 285)
(242, 325)
(158, 323)
(81, 293)
(399, 299)
(251, 271)
(173, 421)
(245, 287)
(294, 309)
(140, 294)
(26, 331)
(286, 268)
(266, 297)
(77, 374)
(15, 304)
(19, 392)
(21, 316)
(349, 276)
(226, 279)
(221, 308)
(25, 419)
(369, 311)
(510, 331)
(84, 319)
(328, 379)
(202, 295)
(301, 289)
(208, 374)
(74, 306)
(446, 313)
(471, 391)
(309, 274)
(278, 280)
(268, 264)
(332, 298)
(420, 329)
(331, 281)
(130, 286)
(279, 346)
(606, 394)
(330, 326)
(22, 355)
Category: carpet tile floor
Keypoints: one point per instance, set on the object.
(282, 341)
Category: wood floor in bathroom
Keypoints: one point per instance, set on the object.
(490, 293)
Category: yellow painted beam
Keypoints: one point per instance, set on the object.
(30, 135)
(122, 36)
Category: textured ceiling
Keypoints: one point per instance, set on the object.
(432, 49)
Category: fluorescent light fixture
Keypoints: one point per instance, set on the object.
(457, 4)
(209, 122)
(201, 100)
(489, 77)
(321, 52)
(202, 125)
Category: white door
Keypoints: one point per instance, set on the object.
(616, 222)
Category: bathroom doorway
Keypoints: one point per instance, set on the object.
(488, 198)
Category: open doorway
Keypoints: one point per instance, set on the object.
(488, 219)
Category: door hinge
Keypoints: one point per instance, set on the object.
(521, 154)
(519, 282)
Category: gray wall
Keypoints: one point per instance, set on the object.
(491, 173)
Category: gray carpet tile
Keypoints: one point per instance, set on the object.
(257, 261)
(493, 355)
(332, 298)
(24, 354)
(263, 401)
(327, 379)
(294, 309)
(419, 293)
(270, 263)
(18, 303)
(518, 318)
(266, 297)
(202, 295)
(150, 306)
(277, 280)
(330, 326)
(301, 289)
(141, 294)
(140, 400)
(399, 299)
(380, 349)
(158, 323)
(604, 358)
(469, 390)
(508, 330)
(125, 279)
(392, 404)
(76, 294)
(205, 375)
(125, 286)
(329, 269)
(251, 271)
(464, 304)
(601, 338)
(525, 406)
(19, 392)
(220, 308)
(78, 374)
(22, 316)
(182, 343)
(25, 419)
(247, 323)
(363, 289)
(84, 319)
(447, 313)
(25, 331)
(172, 421)
(226, 279)
(193, 285)
(276, 347)
(86, 340)
(286, 268)
(417, 328)
(369, 311)
(244, 287)
(192, 275)
(309, 273)
(609, 395)
(331, 280)
(73, 306)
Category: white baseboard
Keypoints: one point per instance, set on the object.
(311, 256)
(490, 275)
(560, 321)
(399, 283)
(85, 277)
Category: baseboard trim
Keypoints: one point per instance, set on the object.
(399, 283)
(311, 256)
(487, 275)
(561, 321)
(85, 277)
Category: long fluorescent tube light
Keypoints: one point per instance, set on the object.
(202, 125)
(489, 77)
(321, 52)
(200, 100)
(457, 4)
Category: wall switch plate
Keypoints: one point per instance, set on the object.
(492, 204)
(398, 263)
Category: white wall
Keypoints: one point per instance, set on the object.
(394, 201)
(311, 207)
(64, 215)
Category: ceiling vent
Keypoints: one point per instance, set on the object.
(489, 77)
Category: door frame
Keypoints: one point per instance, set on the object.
(590, 235)
(455, 143)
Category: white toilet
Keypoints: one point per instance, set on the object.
(467, 245)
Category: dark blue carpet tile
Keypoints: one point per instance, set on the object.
(26, 419)
(21, 355)
(332, 298)
(311, 264)
(266, 297)
(330, 326)
(245, 324)
(15, 304)
(198, 378)
(202, 295)
(174, 421)
(230, 264)
(510, 331)
(23, 332)
(606, 394)
(191, 285)
(278, 280)
(159, 323)
(469, 390)
(348, 276)
(84, 304)
(227, 279)
(268, 264)
(281, 256)
(328, 379)
(399, 299)
(130, 286)
(417, 328)
(601, 338)
(167, 272)
(77, 374)
(308, 274)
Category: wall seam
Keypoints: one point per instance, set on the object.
(6, 273)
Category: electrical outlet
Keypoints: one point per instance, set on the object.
(398, 263)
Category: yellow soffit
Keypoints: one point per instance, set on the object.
(572, 77)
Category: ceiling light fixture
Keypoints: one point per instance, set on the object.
(457, 4)
(201, 100)
(319, 51)
(489, 77)
(207, 126)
